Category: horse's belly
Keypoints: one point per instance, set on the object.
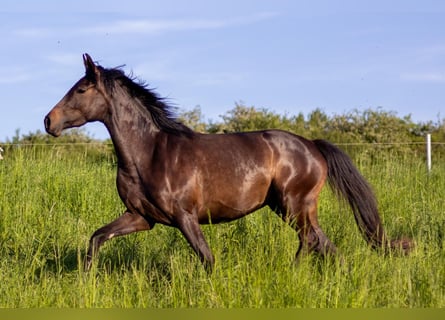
(235, 202)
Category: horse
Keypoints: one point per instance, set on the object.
(168, 174)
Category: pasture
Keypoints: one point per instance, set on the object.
(51, 200)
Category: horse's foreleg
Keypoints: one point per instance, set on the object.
(125, 224)
(189, 226)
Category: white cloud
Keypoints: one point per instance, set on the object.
(218, 79)
(68, 59)
(151, 26)
(34, 32)
(158, 26)
(14, 77)
(433, 52)
(144, 26)
(432, 77)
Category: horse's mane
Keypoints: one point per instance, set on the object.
(161, 113)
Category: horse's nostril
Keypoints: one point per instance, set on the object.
(47, 123)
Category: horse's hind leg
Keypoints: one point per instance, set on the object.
(125, 224)
(303, 218)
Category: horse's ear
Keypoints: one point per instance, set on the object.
(91, 70)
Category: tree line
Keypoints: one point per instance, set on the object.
(368, 126)
(356, 126)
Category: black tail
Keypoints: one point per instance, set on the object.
(347, 182)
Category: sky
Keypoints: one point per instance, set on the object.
(285, 56)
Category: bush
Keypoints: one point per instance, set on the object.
(73, 142)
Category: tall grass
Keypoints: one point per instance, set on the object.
(51, 202)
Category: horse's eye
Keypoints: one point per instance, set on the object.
(81, 90)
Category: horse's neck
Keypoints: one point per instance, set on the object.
(132, 130)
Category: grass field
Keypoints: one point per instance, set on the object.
(51, 201)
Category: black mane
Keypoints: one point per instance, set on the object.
(161, 113)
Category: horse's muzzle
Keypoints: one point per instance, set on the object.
(52, 131)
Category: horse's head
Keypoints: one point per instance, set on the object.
(85, 102)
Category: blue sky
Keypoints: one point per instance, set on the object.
(286, 56)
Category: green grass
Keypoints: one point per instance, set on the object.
(51, 202)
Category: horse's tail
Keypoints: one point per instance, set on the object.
(347, 182)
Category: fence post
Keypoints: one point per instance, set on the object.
(428, 152)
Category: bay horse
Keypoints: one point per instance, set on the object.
(171, 175)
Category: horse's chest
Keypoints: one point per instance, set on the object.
(133, 194)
